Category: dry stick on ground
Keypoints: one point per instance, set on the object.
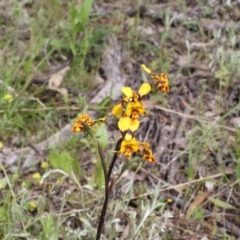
(24, 158)
(193, 117)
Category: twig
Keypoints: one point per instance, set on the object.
(194, 117)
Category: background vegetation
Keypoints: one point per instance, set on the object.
(51, 54)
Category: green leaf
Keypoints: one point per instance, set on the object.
(27, 66)
(105, 102)
(3, 214)
(58, 44)
(85, 11)
(98, 176)
(222, 204)
(102, 136)
(3, 183)
(78, 27)
(64, 161)
(198, 214)
(55, 161)
(54, 235)
(49, 228)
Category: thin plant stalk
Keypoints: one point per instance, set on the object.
(108, 187)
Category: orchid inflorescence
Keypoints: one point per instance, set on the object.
(129, 111)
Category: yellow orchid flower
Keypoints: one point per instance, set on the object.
(134, 110)
(131, 96)
(130, 117)
(130, 120)
(84, 121)
(161, 80)
(147, 152)
(128, 146)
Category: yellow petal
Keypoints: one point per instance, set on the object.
(1, 145)
(134, 145)
(138, 106)
(127, 91)
(134, 125)
(124, 123)
(144, 89)
(145, 68)
(117, 110)
(131, 143)
(128, 136)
